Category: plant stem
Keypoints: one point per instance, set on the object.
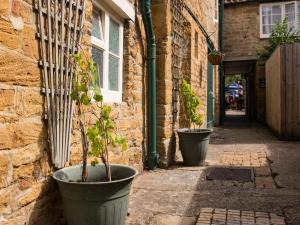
(85, 146)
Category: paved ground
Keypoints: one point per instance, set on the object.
(183, 195)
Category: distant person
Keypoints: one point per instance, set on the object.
(240, 99)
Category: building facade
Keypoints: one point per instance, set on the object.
(247, 26)
(114, 36)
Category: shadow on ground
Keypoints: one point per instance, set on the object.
(177, 195)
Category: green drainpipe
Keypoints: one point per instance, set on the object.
(221, 67)
(153, 157)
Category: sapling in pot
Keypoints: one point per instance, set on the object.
(95, 194)
(193, 143)
(100, 136)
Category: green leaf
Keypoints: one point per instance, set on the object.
(74, 95)
(85, 99)
(83, 88)
(98, 98)
(95, 162)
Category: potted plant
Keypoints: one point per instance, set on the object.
(193, 142)
(215, 57)
(95, 194)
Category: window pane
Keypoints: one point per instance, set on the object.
(216, 9)
(266, 20)
(114, 37)
(97, 26)
(97, 55)
(276, 9)
(276, 19)
(290, 14)
(113, 73)
(290, 8)
(299, 13)
(266, 10)
(267, 29)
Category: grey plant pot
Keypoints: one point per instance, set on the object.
(95, 202)
(193, 144)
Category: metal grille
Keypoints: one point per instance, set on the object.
(234, 174)
(178, 20)
(60, 24)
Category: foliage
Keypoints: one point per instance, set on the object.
(98, 138)
(191, 103)
(280, 35)
(235, 79)
(216, 53)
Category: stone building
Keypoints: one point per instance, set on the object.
(247, 27)
(27, 193)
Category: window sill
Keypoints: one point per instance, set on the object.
(122, 7)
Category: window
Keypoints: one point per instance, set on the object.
(216, 17)
(107, 46)
(196, 44)
(272, 13)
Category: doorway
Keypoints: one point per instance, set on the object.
(235, 95)
(239, 90)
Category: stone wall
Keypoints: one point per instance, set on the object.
(242, 31)
(242, 41)
(194, 67)
(27, 193)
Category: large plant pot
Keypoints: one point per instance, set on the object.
(193, 144)
(95, 202)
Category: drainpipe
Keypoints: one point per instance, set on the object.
(153, 157)
(221, 67)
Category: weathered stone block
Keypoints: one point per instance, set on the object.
(28, 154)
(21, 134)
(29, 195)
(5, 169)
(24, 171)
(4, 7)
(7, 98)
(22, 9)
(8, 35)
(18, 70)
(30, 43)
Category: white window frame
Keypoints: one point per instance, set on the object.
(283, 5)
(216, 12)
(109, 96)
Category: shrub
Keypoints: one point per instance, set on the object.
(191, 103)
(280, 35)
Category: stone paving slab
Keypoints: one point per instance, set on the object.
(176, 196)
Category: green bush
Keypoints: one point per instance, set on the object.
(280, 35)
(191, 103)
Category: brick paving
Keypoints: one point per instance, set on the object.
(211, 216)
(183, 195)
(256, 159)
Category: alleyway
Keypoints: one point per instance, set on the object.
(183, 196)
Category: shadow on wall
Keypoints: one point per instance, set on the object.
(47, 210)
